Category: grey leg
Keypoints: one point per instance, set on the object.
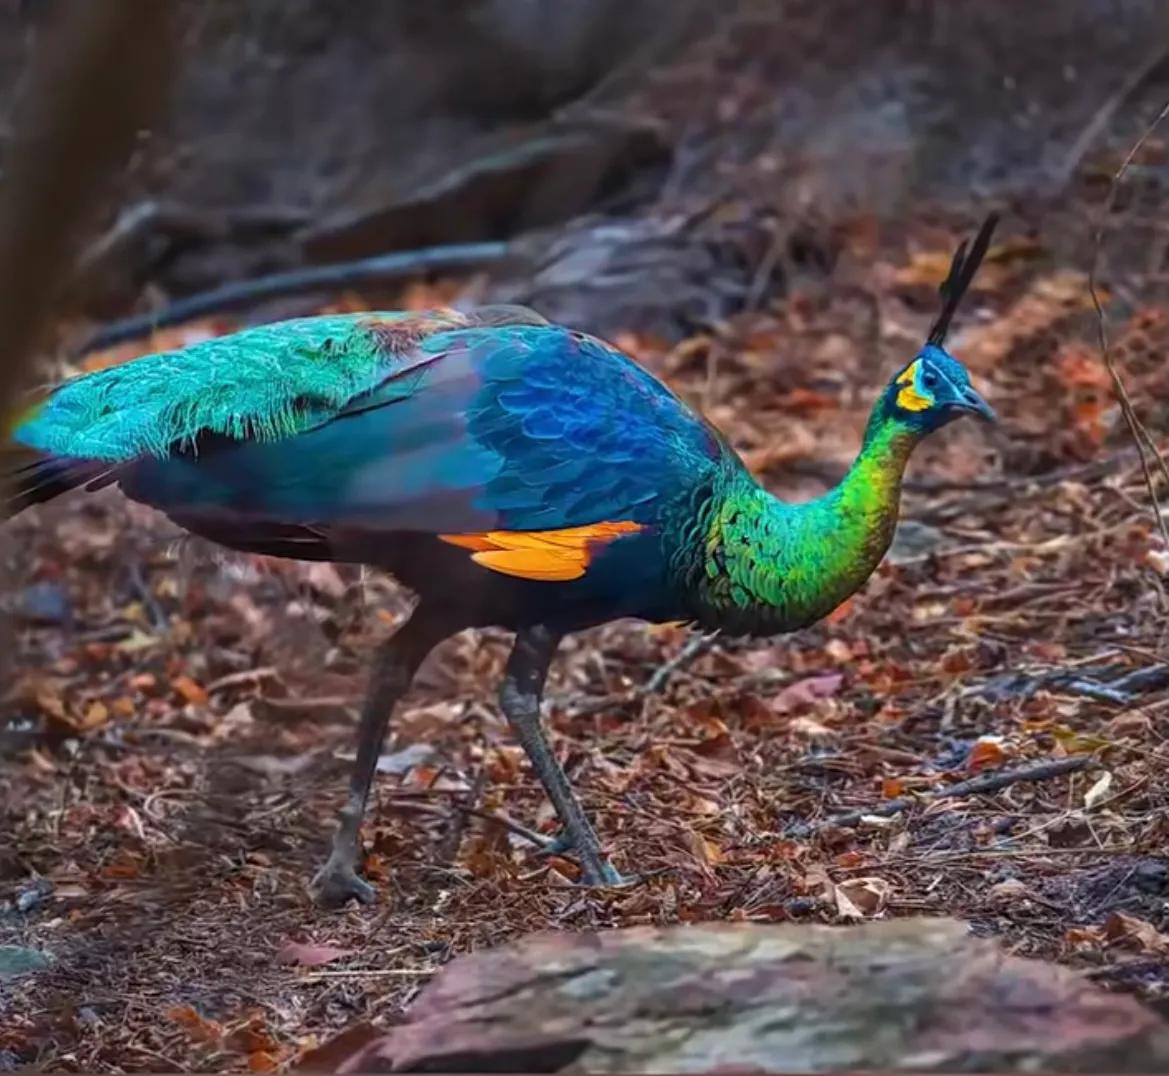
(394, 666)
(520, 694)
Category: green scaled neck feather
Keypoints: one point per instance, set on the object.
(772, 567)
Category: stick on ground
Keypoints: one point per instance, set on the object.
(983, 783)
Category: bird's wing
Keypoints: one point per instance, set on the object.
(484, 435)
(261, 384)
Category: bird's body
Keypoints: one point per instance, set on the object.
(511, 472)
(404, 441)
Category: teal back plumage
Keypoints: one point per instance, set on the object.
(266, 383)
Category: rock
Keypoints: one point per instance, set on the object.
(16, 960)
(518, 181)
(913, 540)
(909, 993)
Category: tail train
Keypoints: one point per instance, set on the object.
(31, 478)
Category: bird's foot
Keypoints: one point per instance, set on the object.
(560, 845)
(605, 876)
(595, 868)
(338, 882)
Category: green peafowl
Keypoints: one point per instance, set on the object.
(509, 471)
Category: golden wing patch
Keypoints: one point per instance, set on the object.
(909, 398)
(552, 556)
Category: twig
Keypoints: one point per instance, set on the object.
(455, 257)
(448, 849)
(1140, 681)
(695, 647)
(532, 836)
(983, 783)
(1121, 690)
(1137, 430)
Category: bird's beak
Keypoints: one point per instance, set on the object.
(973, 404)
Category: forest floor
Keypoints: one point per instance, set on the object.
(179, 740)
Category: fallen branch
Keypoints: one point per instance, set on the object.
(1121, 690)
(139, 225)
(382, 269)
(402, 803)
(695, 647)
(980, 785)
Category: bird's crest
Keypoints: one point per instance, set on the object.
(962, 270)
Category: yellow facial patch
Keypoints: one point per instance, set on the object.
(910, 398)
(552, 556)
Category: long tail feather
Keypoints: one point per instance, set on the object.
(42, 478)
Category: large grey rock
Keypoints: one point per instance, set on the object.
(905, 994)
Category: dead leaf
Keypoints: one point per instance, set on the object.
(329, 1056)
(1121, 928)
(1098, 791)
(806, 726)
(310, 954)
(400, 762)
(191, 691)
(1011, 889)
(862, 898)
(987, 751)
(1072, 742)
(96, 715)
(892, 787)
(803, 693)
(194, 1024)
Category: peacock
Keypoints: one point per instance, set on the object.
(509, 471)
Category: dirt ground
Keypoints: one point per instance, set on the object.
(178, 742)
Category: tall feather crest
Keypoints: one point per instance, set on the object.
(962, 270)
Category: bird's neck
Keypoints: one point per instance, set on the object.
(789, 565)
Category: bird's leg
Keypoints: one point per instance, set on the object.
(394, 666)
(519, 696)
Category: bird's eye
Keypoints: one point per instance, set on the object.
(929, 379)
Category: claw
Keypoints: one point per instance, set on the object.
(559, 845)
(337, 883)
(609, 877)
(594, 870)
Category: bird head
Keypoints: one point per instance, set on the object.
(935, 388)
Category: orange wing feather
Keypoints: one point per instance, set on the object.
(553, 556)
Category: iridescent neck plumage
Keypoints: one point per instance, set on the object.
(854, 523)
(872, 487)
(774, 566)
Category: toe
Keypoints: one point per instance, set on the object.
(559, 845)
(605, 875)
(335, 887)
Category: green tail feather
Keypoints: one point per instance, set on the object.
(264, 384)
